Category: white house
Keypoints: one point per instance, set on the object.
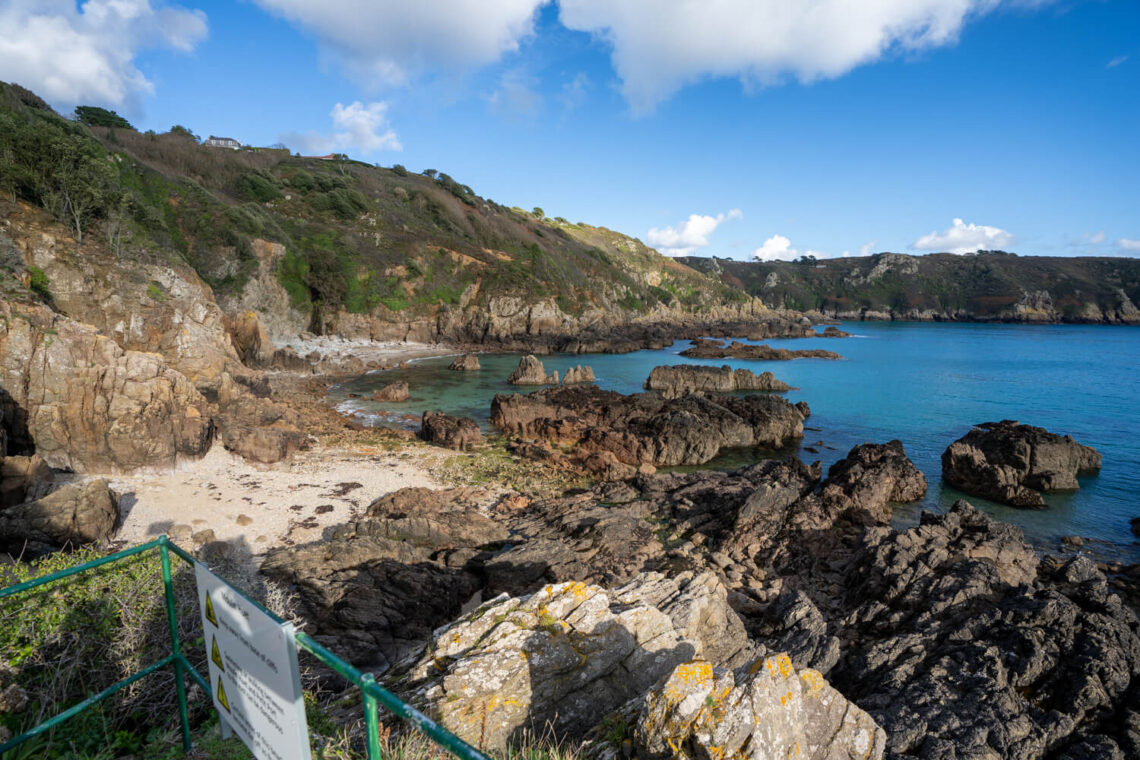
(222, 142)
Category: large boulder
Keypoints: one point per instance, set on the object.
(1014, 464)
(460, 433)
(766, 710)
(73, 514)
(465, 363)
(871, 477)
(678, 380)
(23, 478)
(531, 372)
(569, 653)
(89, 406)
(397, 391)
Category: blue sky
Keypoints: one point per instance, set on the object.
(729, 128)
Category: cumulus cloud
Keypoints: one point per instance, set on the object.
(659, 46)
(73, 55)
(356, 128)
(387, 41)
(1127, 244)
(965, 238)
(867, 248)
(779, 248)
(689, 235)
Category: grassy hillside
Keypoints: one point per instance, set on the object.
(987, 286)
(358, 237)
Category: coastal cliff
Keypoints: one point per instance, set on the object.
(991, 286)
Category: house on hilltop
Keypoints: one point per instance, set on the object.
(222, 142)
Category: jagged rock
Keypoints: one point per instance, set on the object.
(579, 374)
(88, 405)
(1014, 464)
(645, 428)
(605, 465)
(531, 372)
(397, 391)
(765, 710)
(872, 476)
(458, 433)
(250, 339)
(704, 348)
(676, 381)
(256, 428)
(465, 363)
(569, 653)
(72, 514)
(23, 478)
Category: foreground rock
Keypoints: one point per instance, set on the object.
(1014, 464)
(703, 348)
(531, 372)
(679, 380)
(569, 653)
(86, 405)
(465, 363)
(645, 428)
(766, 710)
(72, 515)
(397, 391)
(460, 433)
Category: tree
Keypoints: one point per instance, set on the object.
(76, 181)
(182, 131)
(94, 116)
(538, 212)
(399, 170)
(430, 173)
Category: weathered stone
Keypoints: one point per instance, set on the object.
(460, 433)
(579, 374)
(72, 514)
(23, 478)
(704, 348)
(1014, 464)
(531, 372)
(465, 363)
(397, 391)
(678, 380)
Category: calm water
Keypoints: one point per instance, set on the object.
(925, 384)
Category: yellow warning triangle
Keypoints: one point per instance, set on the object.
(222, 699)
(216, 655)
(210, 611)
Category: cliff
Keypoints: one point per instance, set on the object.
(987, 287)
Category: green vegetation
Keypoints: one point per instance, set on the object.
(93, 116)
(38, 282)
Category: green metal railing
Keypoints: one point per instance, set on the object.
(373, 695)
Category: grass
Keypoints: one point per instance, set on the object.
(492, 465)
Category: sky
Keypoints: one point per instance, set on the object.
(731, 128)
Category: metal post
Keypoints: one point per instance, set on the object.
(176, 649)
(371, 720)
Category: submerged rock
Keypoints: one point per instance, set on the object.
(1014, 464)
(703, 348)
(531, 372)
(678, 380)
(458, 433)
(465, 363)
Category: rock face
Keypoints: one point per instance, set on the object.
(23, 478)
(578, 374)
(703, 348)
(645, 428)
(465, 363)
(531, 372)
(458, 433)
(767, 710)
(569, 653)
(1012, 463)
(682, 379)
(89, 406)
(73, 514)
(397, 391)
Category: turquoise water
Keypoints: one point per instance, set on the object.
(922, 383)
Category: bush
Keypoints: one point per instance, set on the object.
(258, 186)
(38, 282)
(93, 116)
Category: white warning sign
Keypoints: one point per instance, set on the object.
(253, 671)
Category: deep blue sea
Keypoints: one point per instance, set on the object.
(925, 384)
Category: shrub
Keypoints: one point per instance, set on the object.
(93, 116)
(38, 282)
(258, 186)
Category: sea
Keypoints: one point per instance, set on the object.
(925, 384)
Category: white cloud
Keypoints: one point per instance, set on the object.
(689, 235)
(1127, 244)
(517, 94)
(965, 238)
(1095, 238)
(85, 55)
(660, 46)
(1116, 61)
(575, 91)
(356, 127)
(779, 248)
(867, 248)
(388, 41)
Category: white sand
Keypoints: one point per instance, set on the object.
(283, 504)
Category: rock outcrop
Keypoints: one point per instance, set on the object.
(704, 348)
(88, 405)
(460, 433)
(569, 653)
(531, 372)
(397, 391)
(1014, 464)
(679, 380)
(465, 363)
(23, 478)
(645, 428)
(71, 515)
(578, 374)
